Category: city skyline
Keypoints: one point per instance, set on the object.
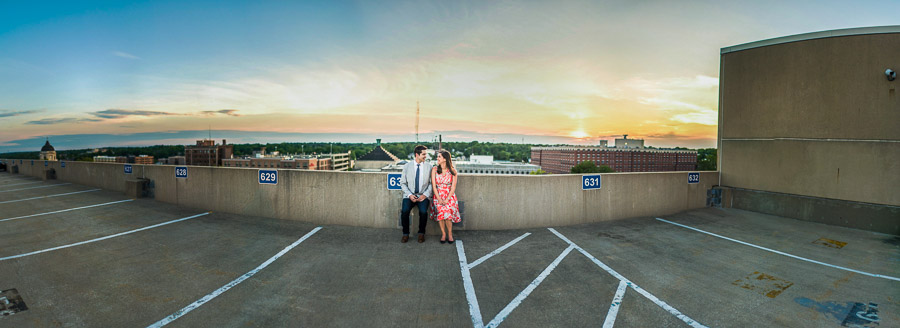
(571, 71)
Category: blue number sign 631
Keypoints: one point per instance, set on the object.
(590, 182)
(694, 177)
(128, 169)
(268, 177)
(181, 172)
(393, 181)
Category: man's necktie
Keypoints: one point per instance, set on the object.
(417, 178)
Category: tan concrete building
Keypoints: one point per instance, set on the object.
(48, 153)
(814, 118)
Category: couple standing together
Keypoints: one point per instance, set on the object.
(432, 190)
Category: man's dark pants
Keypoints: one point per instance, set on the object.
(423, 214)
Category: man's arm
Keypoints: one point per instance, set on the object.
(403, 184)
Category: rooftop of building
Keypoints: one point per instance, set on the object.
(813, 36)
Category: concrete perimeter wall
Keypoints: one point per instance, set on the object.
(491, 202)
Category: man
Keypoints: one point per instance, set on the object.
(416, 184)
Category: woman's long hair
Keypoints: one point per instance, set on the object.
(446, 155)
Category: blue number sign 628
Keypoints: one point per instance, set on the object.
(590, 182)
(268, 177)
(393, 181)
(181, 172)
(694, 177)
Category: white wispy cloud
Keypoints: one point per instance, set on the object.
(124, 55)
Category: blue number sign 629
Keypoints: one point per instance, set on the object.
(694, 177)
(590, 182)
(393, 181)
(181, 172)
(268, 177)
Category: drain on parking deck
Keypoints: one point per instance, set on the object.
(830, 242)
(763, 284)
(11, 303)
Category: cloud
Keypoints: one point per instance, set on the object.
(229, 112)
(120, 113)
(124, 55)
(49, 121)
(9, 113)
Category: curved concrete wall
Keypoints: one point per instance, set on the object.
(491, 202)
(814, 117)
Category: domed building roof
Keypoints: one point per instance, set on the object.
(47, 147)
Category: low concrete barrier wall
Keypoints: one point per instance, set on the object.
(491, 202)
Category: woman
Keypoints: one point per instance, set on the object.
(445, 208)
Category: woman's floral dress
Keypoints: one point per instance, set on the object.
(450, 211)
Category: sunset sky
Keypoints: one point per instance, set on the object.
(576, 71)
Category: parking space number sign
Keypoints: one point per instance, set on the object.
(589, 182)
(268, 177)
(393, 181)
(694, 177)
(128, 169)
(181, 172)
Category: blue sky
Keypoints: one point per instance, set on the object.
(582, 70)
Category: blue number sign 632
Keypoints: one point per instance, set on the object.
(694, 177)
(181, 172)
(590, 182)
(393, 181)
(268, 177)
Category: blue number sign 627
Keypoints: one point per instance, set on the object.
(181, 172)
(590, 182)
(128, 169)
(268, 177)
(694, 177)
(393, 181)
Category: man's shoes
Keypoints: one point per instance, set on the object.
(421, 238)
(404, 239)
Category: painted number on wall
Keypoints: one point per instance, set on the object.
(181, 172)
(694, 177)
(589, 182)
(62, 164)
(393, 181)
(128, 169)
(46, 163)
(268, 177)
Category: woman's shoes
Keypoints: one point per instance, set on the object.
(451, 241)
(443, 241)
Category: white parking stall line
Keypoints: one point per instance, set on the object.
(474, 309)
(660, 303)
(217, 292)
(101, 238)
(66, 210)
(40, 197)
(527, 291)
(614, 307)
(20, 184)
(783, 253)
(497, 251)
(38, 187)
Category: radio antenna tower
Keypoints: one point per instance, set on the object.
(417, 121)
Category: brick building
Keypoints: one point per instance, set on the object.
(207, 153)
(299, 163)
(562, 159)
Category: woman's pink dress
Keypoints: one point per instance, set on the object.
(450, 211)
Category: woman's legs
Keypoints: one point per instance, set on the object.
(443, 232)
(449, 224)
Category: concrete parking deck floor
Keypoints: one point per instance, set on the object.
(708, 267)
